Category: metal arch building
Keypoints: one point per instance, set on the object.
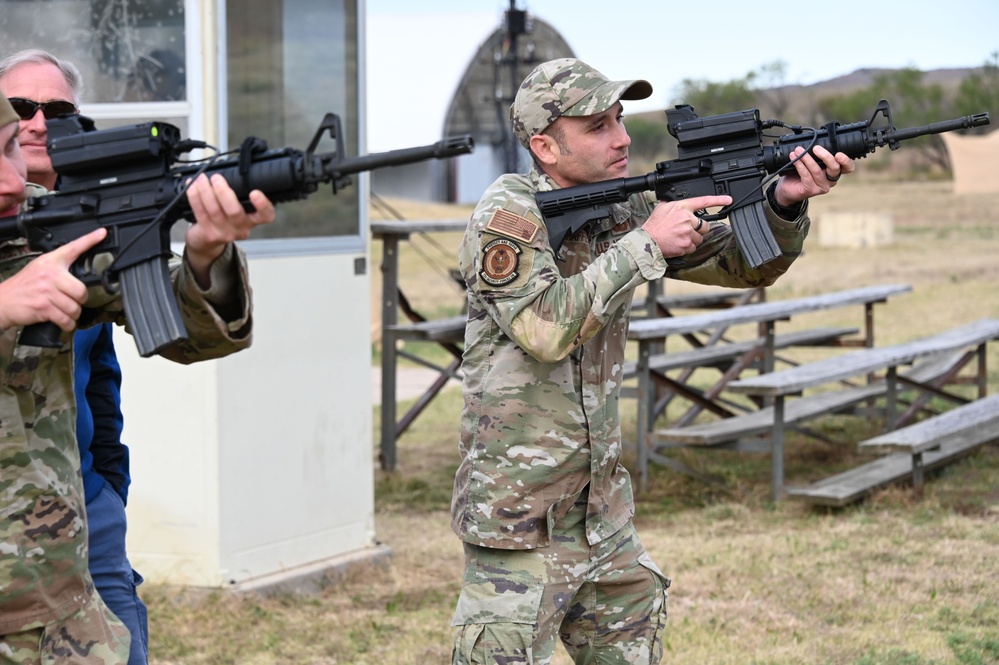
(480, 107)
(481, 104)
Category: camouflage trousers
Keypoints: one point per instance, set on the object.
(607, 603)
(91, 636)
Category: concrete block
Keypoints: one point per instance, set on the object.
(855, 230)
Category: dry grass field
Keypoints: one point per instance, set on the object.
(888, 581)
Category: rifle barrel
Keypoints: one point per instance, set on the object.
(450, 147)
(966, 122)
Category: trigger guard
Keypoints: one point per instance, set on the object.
(111, 287)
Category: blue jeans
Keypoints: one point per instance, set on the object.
(113, 575)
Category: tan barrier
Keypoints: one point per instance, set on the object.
(975, 161)
(855, 230)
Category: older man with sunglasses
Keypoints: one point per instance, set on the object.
(49, 610)
(39, 87)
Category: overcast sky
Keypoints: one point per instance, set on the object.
(418, 50)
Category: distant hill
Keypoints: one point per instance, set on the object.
(804, 97)
(948, 78)
(802, 103)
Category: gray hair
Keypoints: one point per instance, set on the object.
(40, 57)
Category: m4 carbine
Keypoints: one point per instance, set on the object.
(725, 154)
(125, 180)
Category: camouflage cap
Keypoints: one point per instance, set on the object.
(569, 87)
(7, 114)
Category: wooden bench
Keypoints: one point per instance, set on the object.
(720, 354)
(730, 358)
(850, 486)
(656, 304)
(717, 299)
(952, 433)
(923, 446)
(941, 357)
(652, 333)
(451, 329)
(737, 432)
(713, 299)
(762, 312)
(447, 332)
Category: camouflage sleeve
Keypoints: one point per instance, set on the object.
(510, 269)
(719, 262)
(218, 320)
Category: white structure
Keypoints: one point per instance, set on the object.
(257, 468)
(259, 464)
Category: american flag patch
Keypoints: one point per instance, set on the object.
(513, 226)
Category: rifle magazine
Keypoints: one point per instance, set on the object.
(753, 234)
(150, 306)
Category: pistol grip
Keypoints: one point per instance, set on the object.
(47, 335)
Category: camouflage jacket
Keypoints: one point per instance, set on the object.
(544, 355)
(43, 530)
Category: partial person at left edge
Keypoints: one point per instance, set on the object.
(49, 608)
(41, 86)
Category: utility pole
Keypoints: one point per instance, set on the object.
(516, 25)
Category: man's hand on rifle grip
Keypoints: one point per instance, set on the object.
(45, 289)
(675, 226)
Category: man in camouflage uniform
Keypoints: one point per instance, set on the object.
(49, 611)
(540, 499)
(26, 77)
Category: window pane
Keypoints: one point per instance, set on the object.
(289, 63)
(127, 50)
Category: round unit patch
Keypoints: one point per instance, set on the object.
(500, 259)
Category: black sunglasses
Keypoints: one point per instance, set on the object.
(26, 108)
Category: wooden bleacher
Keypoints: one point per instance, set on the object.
(651, 365)
(913, 450)
(711, 348)
(936, 361)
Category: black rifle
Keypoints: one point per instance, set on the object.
(725, 154)
(124, 179)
